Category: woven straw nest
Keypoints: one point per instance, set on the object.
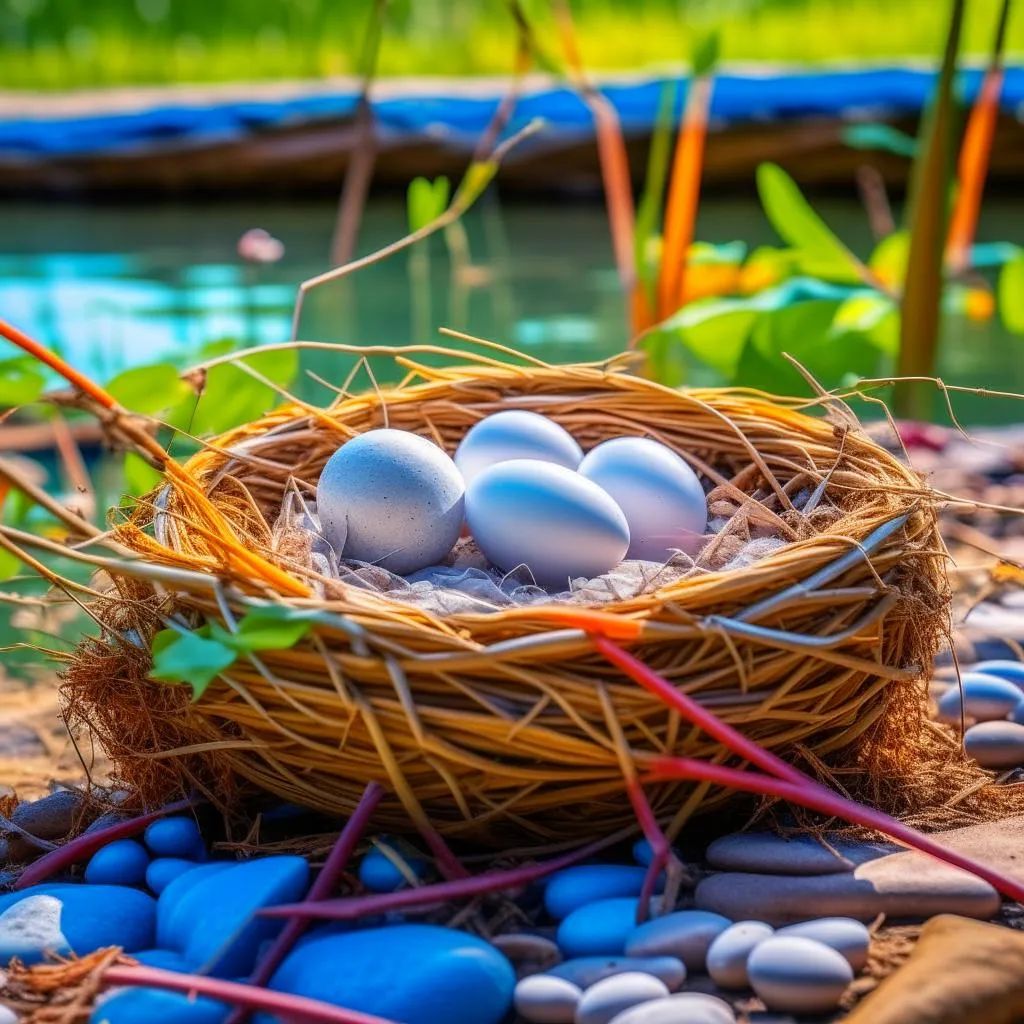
(508, 726)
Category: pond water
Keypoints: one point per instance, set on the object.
(121, 285)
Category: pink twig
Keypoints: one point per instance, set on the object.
(320, 889)
(448, 864)
(661, 851)
(86, 845)
(282, 1005)
(462, 888)
(818, 798)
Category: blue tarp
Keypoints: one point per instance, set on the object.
(738, 98)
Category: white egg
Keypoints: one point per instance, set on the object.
(515, 434)
(391, 498)
(548, 518)
(657, 491)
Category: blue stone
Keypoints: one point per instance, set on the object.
(122, 862)
(154, 1006)
(576, 887)
(173, 907)
(31, 928)
(164, 870)
(643, 854)
(379, 874)
(95, 916)
(414, 973)
(165, 959)
(175, 837)
(598, 929)
(1004, 668)
(213, 922)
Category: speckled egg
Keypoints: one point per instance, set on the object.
(556, 523)
(392, 498)
(515, 434)
(657, 491)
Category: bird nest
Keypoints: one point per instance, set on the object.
(507, 725)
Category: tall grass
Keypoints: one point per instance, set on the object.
(57, 44)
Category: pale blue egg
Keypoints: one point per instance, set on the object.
(547, 518)
(392, 498)
(515, 434)
(659, 494)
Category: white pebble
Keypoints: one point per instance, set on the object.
(682, 1008)
(727, 955)
(984, 699)
(995, 744)
(392, 498)
(7, 1015)
(608, 998)
(796, 975)
(585, 971)
(686, 934)
(843, 934)
(546, 999)
(515, 434)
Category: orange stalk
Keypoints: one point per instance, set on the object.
(683, 196)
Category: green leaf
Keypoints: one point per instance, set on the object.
(9, 565)
(149, 389)
(21, 381)
(273, 628)
(868, 313)
(888, 262)
(715, 330)
(479, 174)
(189, 658)
(139, 476)
(427, 201)
(880, 137)
(1011, 295)
(232, 396)
(821, 253)
(704, 57)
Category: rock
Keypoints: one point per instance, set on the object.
(728, 953)
(589, 970)
(154, 1006)
(608, 998)
(598, 929)
(842, 934)
(52, 817)
(981, 698)
(7, 1015)
(996, 744)
(1003, 668)
(530, 953)
(165, 959)
(379, 873)
(802, 855)
(122, 862)
(175, 837)
(575, 887)
(103, 821)
(547, 999)
(173, 908)
(414, 973)
(686, 934)
(94, 916)
(960, 972)
(798, 975)
(213, 922)
(30, 929)
(164, 870)
(1017, 714)
(682, 1008)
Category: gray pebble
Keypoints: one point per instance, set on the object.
(843, 934)
(995, 744)
(7, 1015)
(546, 999)
(682, 1008)
(728, 954)
(798, 975)
(686, 934)
(51, 817)
(608, 998)
(585, 971)
(984, 699)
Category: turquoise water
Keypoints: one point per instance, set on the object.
(118, 286)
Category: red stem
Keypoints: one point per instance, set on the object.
(449, 865)
(320, 889)
(282, 1005)
(463, 888)
(660, 848)
(86, 845)
(818, 798)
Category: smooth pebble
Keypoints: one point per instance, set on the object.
(984, 699)
(598, 929)
(7, 1015)
(174, 837)
(1004, 668)
(659, 494)
(681, 1008)
(585, 971)
(164, 870)
(575, 887)
(996, 744)
(122, 862)
(392, 498)
(515, 434)
(50, 817)
(546, 999)
(843, 934)
(1017, 714)
(154, 1006)
(530, 953)
(791, 855)
(30, 929)
(686, 934)
(728, 953)
(379, 873)
(798, 975)
(546, 518)
(606, 999)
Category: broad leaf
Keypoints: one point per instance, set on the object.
(872, 315)
(889, 260)
(821, 253)
(1011, 295)
(272, 628)
(704, 58)
(189, 658)
(427, 200)
(139, 476)
(9, 565)
(149, 389)
(21, 381)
